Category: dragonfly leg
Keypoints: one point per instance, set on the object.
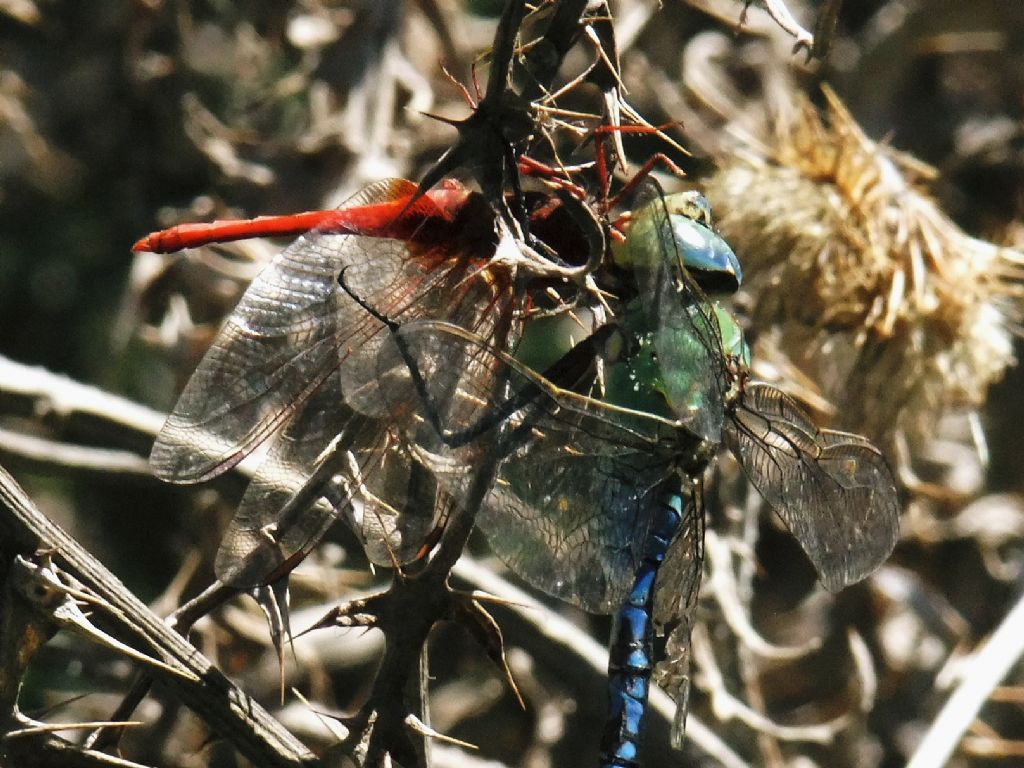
(605, 169)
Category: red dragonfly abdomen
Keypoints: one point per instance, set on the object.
(398, 214)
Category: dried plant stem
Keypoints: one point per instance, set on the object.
(980, 677)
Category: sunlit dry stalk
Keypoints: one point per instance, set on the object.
(859, 279)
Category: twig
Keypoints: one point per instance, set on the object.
(723, 585)
(229, 711)
(37, 392)
(980, 677)
(22, 746)
(727, 707)
(81, 457)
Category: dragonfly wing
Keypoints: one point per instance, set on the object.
(572, 503)
(833, 490)
(406, 285)
(301, 488)
(572, 519)
(691, 362)
(678, 584)
(295, 325)
(277, 347)
(675, 601)
(688, 339)
(259, 539)
(389, 497)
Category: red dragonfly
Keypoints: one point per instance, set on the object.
(296, 364)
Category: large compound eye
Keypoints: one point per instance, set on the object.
(706, 256)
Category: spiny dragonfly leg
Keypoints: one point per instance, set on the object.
(528, 166)
(604, 169)
(560, 176)
(452, 439)
(645, 170)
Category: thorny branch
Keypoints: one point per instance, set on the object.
(24, 530)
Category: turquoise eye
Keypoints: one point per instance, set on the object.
(706, 256)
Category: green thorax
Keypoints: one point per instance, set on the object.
(678, 370)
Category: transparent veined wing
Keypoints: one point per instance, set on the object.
(577, 479)
(302, 486)
(685, 323)
(297, 360)
(675, 604)
(834, 490)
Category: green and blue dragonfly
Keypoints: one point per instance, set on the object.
(597, 498)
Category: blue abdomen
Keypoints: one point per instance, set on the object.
(630, 658)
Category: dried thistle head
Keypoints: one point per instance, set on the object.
(859, 279)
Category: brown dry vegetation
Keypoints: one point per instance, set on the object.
(875, 219)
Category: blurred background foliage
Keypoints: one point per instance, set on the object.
(120, 117)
